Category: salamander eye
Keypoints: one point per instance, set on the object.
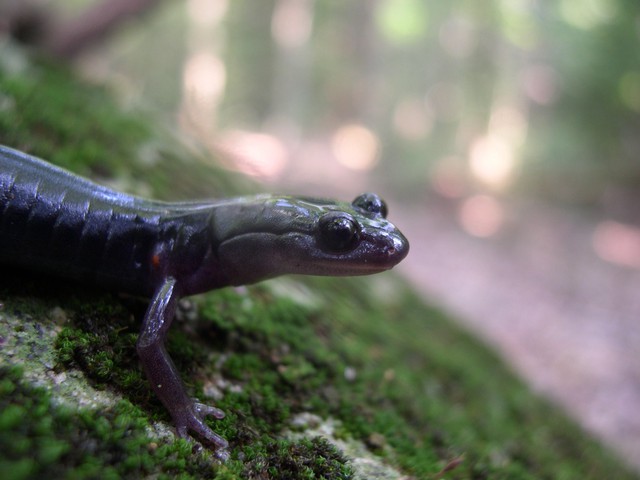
(371, 203)
(339, 232)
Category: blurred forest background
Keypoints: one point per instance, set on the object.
(505, 133)
(537, 99)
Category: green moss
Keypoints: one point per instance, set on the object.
(41, 439)
(47, 112)
(71, 125)
(99, 337)
(305, 459)
(434, 394)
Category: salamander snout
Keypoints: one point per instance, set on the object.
(396, 247)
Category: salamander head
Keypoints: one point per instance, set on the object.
(266, 236)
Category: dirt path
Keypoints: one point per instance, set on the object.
(567, 321)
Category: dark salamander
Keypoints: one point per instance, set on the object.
(56, 222)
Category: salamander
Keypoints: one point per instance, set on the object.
(56, 222)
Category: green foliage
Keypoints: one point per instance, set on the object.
(403, 21)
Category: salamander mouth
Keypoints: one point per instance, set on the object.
(358, 269)
(374, 260)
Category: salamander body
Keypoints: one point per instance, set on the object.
(56, 222)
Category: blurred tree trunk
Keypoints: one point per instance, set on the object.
(36, 23)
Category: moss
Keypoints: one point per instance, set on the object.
(71, 125)
(47, 112)
(98, 337)
(305, 459)
(39, 439)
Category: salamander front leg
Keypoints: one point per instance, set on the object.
(188, 415)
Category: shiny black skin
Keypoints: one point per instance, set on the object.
(59, 223)
(56, 222)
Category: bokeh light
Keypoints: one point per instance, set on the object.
(355, 147)
(481, 215)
